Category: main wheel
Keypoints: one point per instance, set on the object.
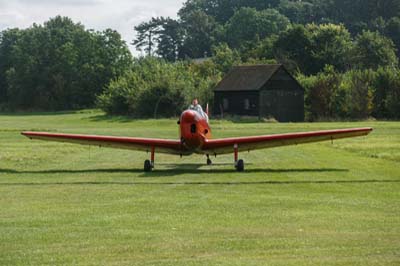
(240, 165)
(147, 166)
(209, 162)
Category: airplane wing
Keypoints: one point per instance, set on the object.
(223, 146)
(141, 144)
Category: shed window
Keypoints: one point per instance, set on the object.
(225, 103)
(246, 104)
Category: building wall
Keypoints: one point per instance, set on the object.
(281, 98)
(236, 103)
(283, 105)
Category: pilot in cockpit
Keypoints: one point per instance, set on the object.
(197, 107)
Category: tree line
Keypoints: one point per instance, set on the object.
(246, 24)
(59, 65)
(355, 94)
(345, 54)
(157, 88)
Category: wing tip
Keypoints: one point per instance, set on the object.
(29, 134)
(369, 129)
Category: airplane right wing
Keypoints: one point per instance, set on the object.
(223, 146)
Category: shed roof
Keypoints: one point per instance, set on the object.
(247, 78)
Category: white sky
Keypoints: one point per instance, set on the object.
(121, 15)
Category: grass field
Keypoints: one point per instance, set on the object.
(315, 204)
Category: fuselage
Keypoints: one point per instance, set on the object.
(194, 130)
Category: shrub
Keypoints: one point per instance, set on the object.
(156, 88)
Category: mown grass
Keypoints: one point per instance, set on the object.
(316, 204)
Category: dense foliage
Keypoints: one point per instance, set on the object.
(345, 53)
(356, 94)
(154, 88)
(59, 65)
(244, 24)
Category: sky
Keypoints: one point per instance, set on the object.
(120, 15)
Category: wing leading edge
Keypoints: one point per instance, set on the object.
(141, 144)
(222, 146)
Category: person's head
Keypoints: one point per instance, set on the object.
(195, 102)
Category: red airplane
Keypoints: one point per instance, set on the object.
(195, 137)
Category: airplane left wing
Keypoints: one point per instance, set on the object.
(141, 144)
(223, 146)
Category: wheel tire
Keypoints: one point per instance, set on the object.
(209, 162)
(147, 166)
(240, 165)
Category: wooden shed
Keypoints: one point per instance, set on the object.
(260, 90)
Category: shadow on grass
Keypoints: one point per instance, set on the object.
(172, 170)
(180, 171)
(64, 171)
(233, 183)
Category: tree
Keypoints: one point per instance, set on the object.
(357, 15)
(248, 25)
(263, 50)
(312, 47)
(23, 76)
(293, 48)
(298, 12)
(223, 10)
(331, 94)
(146, 38)
(393, 98)
(357, 87)
(386, 86)
(373, 50)
(383, 8)
(8, 39)
(60, 65)
(321, 94)
(200, 32)
(157, 88)
(115, 53)
(392, 30)
(225, 58)
(160, 36)
(330, 45)
(170, 40)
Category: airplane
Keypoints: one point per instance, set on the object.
(195, 137)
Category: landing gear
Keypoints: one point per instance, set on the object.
(209, 162)
(239, 164)
(149, 164)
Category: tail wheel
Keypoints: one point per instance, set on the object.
(240, 165)
(147, 166)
